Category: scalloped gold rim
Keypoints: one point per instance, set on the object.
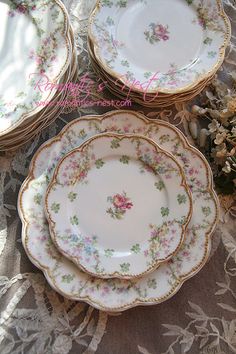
(167, 91)
(117, 274)
(137, 301)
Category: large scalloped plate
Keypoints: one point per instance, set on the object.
(118, 294)
(31, 67)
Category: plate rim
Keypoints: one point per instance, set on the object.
(117, 274)
(183, 89)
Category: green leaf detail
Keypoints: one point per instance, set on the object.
(109, 252)
(136, 248)
(99, 163)
(160, 185)
(164, 138)
(125, 267)
(47, 178)
(115, 214)
(55, 207)
(115, 143)
(183, 220)
(107, 3)
(82, 134)
(121, 3)
(67, 278)
(206, 211)
(110, 21)
(152, 283)
(21, 94)
(38, 198)
(74, 220)
(147, 74)
(164, 211)
(207, 41)
(129, 75)
(211, 54)
(181, 198)
(72, 196)
(125, 159)
(125, 63)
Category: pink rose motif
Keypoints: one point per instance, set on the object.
(46, 41)
(161, 32)
(156, 33)
(155, 233)
(202, 22)
(39, 60)
(122, 202)
(22, 9)
(31, 54)
(11, 14)
(82, 175)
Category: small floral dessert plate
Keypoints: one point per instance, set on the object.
(118, 294)
(164, 45)
(34, 48)
(139, 199)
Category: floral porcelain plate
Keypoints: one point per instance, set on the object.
(164, 45)
(118, 294)
(139, 200)
(34, 50)
(149, 100)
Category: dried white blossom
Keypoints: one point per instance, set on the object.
(233, 121)
(214, 126)
(193, 128)
(204, 133)
(233, 131)
(227, 167)
(220, 137)
(198, 110)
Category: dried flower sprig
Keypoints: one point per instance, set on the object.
(217, 139)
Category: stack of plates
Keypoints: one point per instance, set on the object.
(37, 54)
(118, 210)
(157, 52)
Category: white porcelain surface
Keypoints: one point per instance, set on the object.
(139, 202)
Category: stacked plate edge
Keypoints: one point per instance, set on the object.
(49, 56)
(158, 53)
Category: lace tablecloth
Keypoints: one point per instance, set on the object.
(199, 319)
